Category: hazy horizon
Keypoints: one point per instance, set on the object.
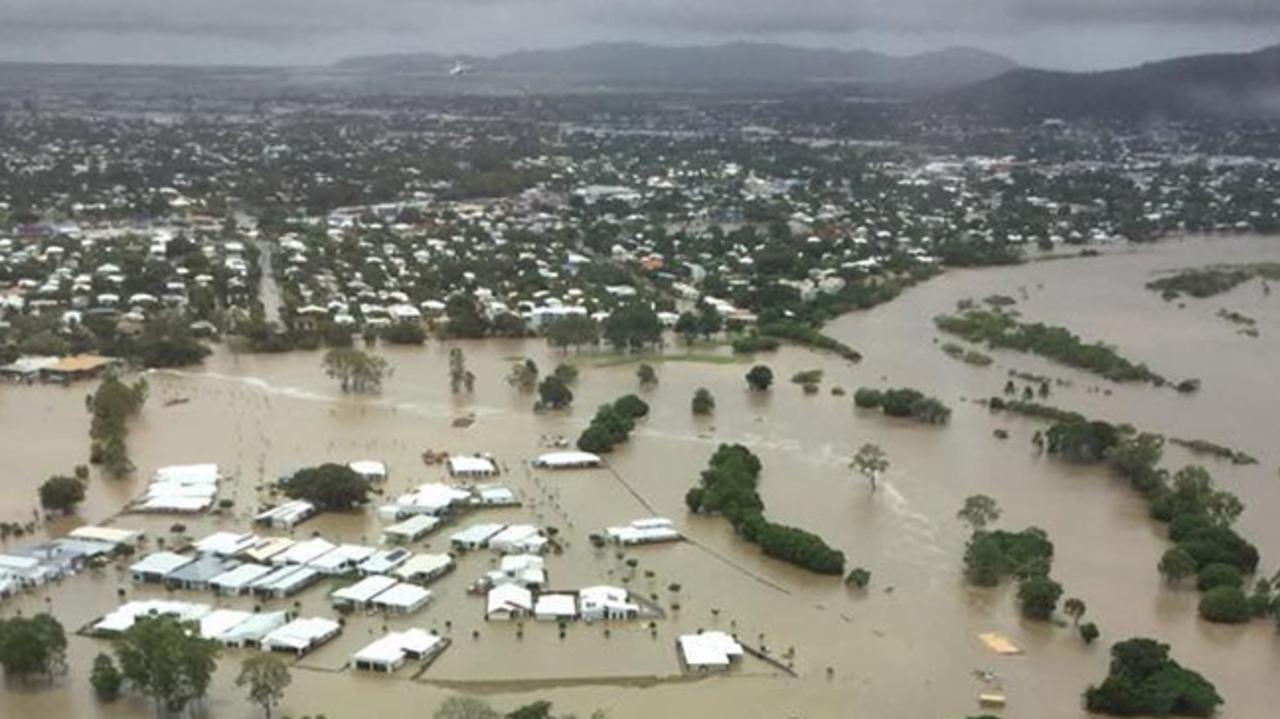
(1056, 34)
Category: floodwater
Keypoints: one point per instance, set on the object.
(905, 648)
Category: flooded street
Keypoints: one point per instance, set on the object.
(906, 648)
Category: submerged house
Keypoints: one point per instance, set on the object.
(644, 531)
(472, 467)
(153, 568)
(508, 602)
(602, 603)
(301, 636)
(475, 536)
(567, 460)
(708, 651)
(196, 575)
(391, 652)
(287, 515)
(424, 568)
(237, 581)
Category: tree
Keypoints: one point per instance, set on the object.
(1225, 605)
(460, 707)
(631, 406)
(553, 393)
(524, 375)
(709, 321)
(871, 462)
(405, 333)
(1218, 574)
(1075, 608)
(459, 376)
(32, 645)
(1089, 632)
(566, 372)
(1144, 680)
(166, 661)
(647, 375)
(572, 331)
(465, 318)
(328, 486)
(61, 494)
(687, 327)
(1176, 565)
(634, 326)
(267, 676)
(1038, 597)
(978, 511)
(760, 378)
(106, 678)
(703, 403)
(356, 370)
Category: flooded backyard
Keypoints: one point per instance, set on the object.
(906, 648)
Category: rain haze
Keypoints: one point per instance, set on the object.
(1066, 34)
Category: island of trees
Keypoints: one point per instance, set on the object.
(903, 402)
(1002, 330)
(728, 487)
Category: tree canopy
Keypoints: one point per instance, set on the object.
(166, 661)
(328, 486)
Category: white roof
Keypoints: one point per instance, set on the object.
(423, 564)
(558, 605)
(219, 621)
(289, 512)
(365, 589)
(709, 649)
(385, 560)
(188, 474)
(567, 459)
(305, 552)
(404, 596)
(520, 537)
(341, 555)
(391, 649)
(254, 627)
(369, 468)
(476, 533)
(433, 497)
(270, 547)
(107, 534)
(176, 504)
(226, 544)
(301, 633)
(413, 526)
(240, 577)
(508, 597)
(282, 578)
(160, 563)
(471, 465)
(121, 618)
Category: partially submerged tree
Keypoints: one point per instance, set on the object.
(32, 645)
(266, 676)
(106, 678)
(703, 403)
(328, 486)
(167, 661)
(647, 375)
(871, 461)
(524, 375)
(460, 377)
(978, 511)
(355, 369)
(760, 378)
(61, 494)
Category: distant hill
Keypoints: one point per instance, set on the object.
(1244, 85)
(734, 65)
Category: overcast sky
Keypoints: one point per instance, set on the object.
(1076, 34)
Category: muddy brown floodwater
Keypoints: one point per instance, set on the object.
(906, 648)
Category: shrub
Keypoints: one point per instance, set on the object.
(1215, 575)
(1225, 605)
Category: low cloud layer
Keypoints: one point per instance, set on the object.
(310, 31)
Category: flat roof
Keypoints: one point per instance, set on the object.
(403, 595)
(160, 563)
(365, 589)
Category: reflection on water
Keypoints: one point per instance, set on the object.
(906, 648)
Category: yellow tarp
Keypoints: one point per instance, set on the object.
(999, 643)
